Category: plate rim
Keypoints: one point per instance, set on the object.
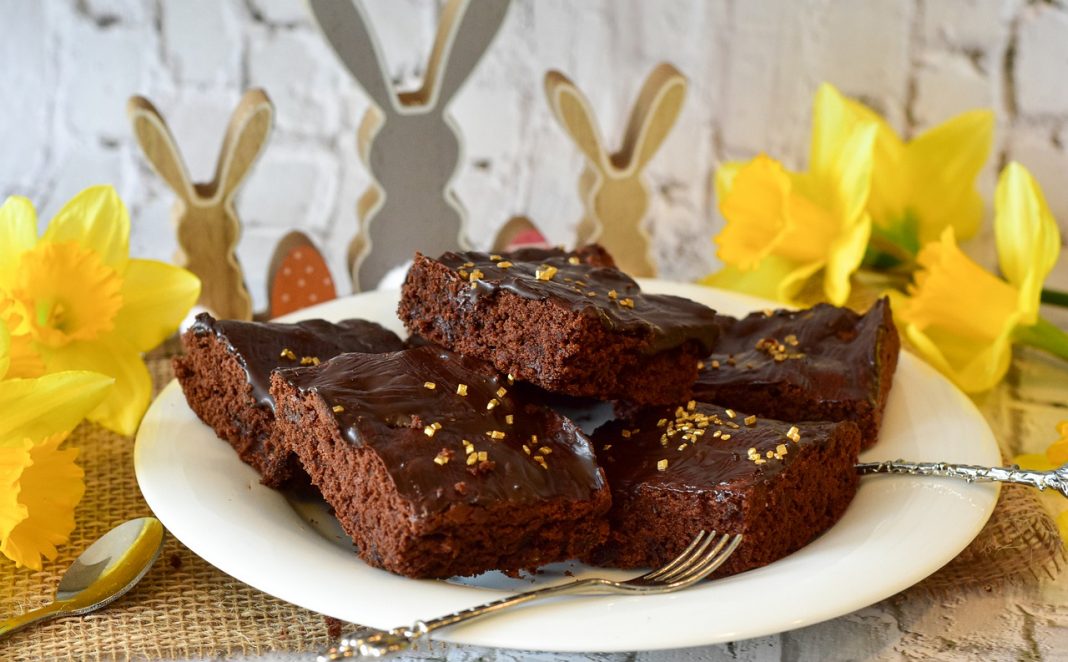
(485, 637)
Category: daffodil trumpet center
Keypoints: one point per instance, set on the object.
(1046, 336)
(64, 292)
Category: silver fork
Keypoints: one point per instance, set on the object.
(1056, 480)
(695, 563)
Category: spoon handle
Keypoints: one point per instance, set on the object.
(47, 612)
(1055, 480)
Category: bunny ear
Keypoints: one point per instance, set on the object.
(654, 113)
(244, 140)
(466, 29)
(346, 27)
(158, 144)
(573, 112)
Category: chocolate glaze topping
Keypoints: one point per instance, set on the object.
(386, 402)
(579, 281)
(258, 346)
(825, 349)
(633, 452)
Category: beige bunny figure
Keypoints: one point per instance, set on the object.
(207, 225)
(410, 145)
(614, 195)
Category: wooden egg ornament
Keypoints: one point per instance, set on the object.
(298, 276)
(614, 195)
(518, 232)
(408, 142)
(207, 225)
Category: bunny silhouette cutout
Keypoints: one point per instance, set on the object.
(207, 225)
(411, 147)
(614, 195)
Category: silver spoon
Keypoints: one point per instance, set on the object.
(1056, 480)
(102, 574)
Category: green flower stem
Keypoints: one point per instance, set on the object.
(1055, 298)
(1046, 336)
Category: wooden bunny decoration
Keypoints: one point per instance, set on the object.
(411, 147)
(207, 225)
(614, 196)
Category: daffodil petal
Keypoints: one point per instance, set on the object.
(5, 350)
(943, 164)
(1062, 525)
(155, 298)
(111, 355)
(97, 219)
(974, 367)
(18, 233)
(724, 179)
(841, 153)
(775, 278)
(847, 252)
(36, 408)
(889, 184)
(25, 361)
(1028, 240)
(1033, 461)
(49, 488)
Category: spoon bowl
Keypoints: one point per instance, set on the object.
(103, 573)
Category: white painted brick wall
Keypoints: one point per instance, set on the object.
(67, 67)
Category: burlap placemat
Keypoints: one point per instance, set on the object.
(186, 608)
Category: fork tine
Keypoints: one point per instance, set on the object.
(709, 550)
(684, 558)
(668, 574)
(714, 560)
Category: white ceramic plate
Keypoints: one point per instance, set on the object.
(898, 530)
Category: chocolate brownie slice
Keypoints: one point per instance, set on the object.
(561, 320)
(824, 363)
(436, 467)
(225, 375)
(702, 467)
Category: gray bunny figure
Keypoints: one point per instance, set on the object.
(410, 145)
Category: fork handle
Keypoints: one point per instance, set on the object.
(968, 472)
(367, 642)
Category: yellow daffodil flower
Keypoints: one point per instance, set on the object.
(40, 484)
(74, 300)
(784, 228)
(964, 319)
(1055, 456)
(923, 186)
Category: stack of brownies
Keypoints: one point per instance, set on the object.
(444, 454)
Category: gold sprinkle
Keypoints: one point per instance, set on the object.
(545, 272)
(768, 312)
(573, 260)
(482, 456)
(511, 379)
(436, 425)
(494, 257)
(492, 403)
(468, 448)
(612, 294)
(760, 460)
(429, 430)
(770, 454)
(501, 392)
(288, 354)
(475, 275)
(465, 442)
(463, 273)
(591, 293)
(504, 264)
(474, 286)
(725, 437)
(793, 434)
(442, 458)
(461, 389)
(715, 364)
(682, 447)
(752, 451)
(625, 433)
(626, 303)
(472, 459)
(662, 465)
(533, 438)
(691, 405)
(495, 434)
(545, 450)
(661, 423)
(526, 449)
(781, 449)
(730, 413)
(608, 447)
(700, 365)
(541, 460)
(469, 264)
(509, 419)
(338, 409)
(791, 339)
(430, 385)
(750, 420)
(309, 360)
